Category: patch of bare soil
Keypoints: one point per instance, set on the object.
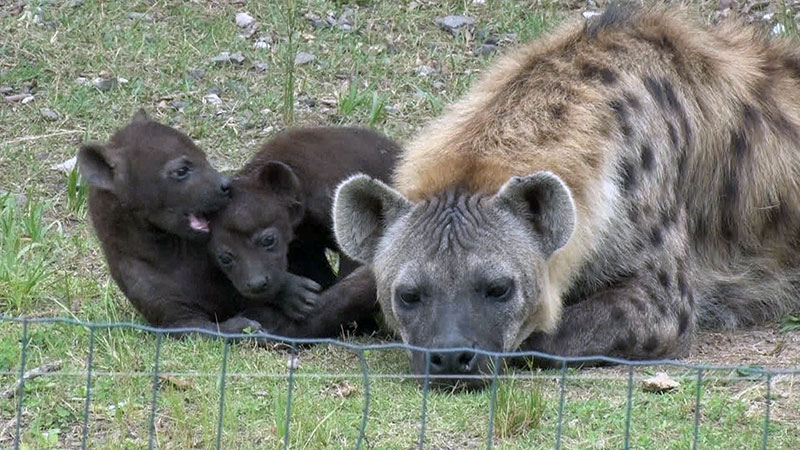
(766, 347)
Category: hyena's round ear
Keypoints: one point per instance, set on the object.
(544, 201)
(363, 208)
(99, 166)
(280, 179)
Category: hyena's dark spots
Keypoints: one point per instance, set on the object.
(682, 287)
(556, 111)
(739, 143)
(605, 75)
(631, 100)
(664, 279)
(621, 115)
(654, 87)
(728, 200)
(683, 322)
(650, 344)
(656, 236)
(648, 160)
(628, 176)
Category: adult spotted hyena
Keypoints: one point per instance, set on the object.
(603, 190)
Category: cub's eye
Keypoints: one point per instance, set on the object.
(181, 173)
(499, 290)
(225, 259)
(409, 297)
(268, 242)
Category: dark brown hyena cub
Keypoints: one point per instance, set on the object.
(278, 224)
(150, 192)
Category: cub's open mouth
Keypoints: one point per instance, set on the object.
(199, 223)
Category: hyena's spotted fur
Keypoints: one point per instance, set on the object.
(680, 144)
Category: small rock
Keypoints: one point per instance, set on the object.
(487, 49)
(303, 58)
(425, 71)
(27, 100)
(309, 101)
(478, 2)
(452, 24)
(491, 40)
(244, 20)
(104, 84)
(293, 362)
(29, 87)
(82, 81)
(659, 383)
(140, 16)
(17, 97)
(5, 90)
(213, 99)
(438, 85)
(778, 29)
(509, 37)
(76, 3)
(197, 74)
(178, 105)
(261, 66)
(214, 89)
(260, 45)
(590, 14)
(227, 58)
(67, 166)
(49, 114)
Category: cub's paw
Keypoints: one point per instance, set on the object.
(240, 324)
(299, 297)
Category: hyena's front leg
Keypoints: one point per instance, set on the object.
(642, 317)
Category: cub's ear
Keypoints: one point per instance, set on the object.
(543, 201)
(280, 179)
(98, 166)
(363, 209)
(140, 116)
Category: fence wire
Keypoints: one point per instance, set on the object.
(754, 373)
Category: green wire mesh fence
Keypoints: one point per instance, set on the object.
(562, 375)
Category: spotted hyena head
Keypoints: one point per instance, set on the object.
(459, 270)
(159, 175)
(251, 235)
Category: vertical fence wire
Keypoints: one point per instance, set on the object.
(493, 401)
(562, 394)
(88, 401)
(154, 401)
(21, 387)
(425, 388)
(698, 392)
(290, 388)
(628, 409)
(768, 400)
(362, 362)
(222, 376)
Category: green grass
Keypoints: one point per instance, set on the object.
(51, 263)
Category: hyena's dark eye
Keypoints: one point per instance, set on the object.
(408, 297)
(181, 173)
(268, 241)
(499, 290)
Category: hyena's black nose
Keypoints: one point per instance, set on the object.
(453, 362)
(225, 186)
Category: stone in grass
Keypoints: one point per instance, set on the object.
(486, 49)
(197, 74)
(452, 24)
(49, 114)
(244, 20)
(178, 105)
(660, 383)
(67, 166)
(228, 58)
(140, 16)
(303, 58)
(261, 66)
(104, 84)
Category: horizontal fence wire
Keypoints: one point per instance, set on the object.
(699, 372)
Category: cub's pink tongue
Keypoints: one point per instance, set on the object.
(199, 223)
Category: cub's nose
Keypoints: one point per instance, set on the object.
(257, 285)
(225, 186)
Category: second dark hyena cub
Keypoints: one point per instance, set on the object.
(150, 192)
(278, 224)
